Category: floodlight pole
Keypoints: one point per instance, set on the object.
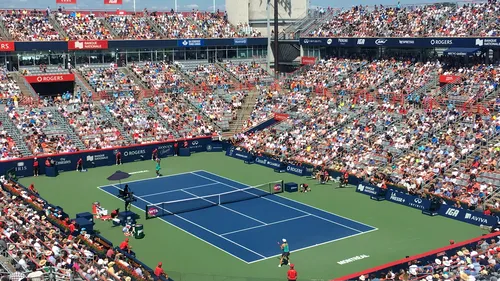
(276, 36)
(269, 50)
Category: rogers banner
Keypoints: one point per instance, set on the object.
(50, 78)
(449, 79)
(88, 45)
(113, 2)
(65, 1)
(7, 46)
(308, 60)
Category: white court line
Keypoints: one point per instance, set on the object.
(259, 226)
(206, 229)
(303, 204)
(293, 208)
(155, 178)
(316, 245)
(224, 207)
(177, 190)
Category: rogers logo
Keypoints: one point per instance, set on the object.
(441, 42)
(51, 78)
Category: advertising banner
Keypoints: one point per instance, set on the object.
(239, 154)
(240, 41)
(299, 170)
(269, 162)
(368, 189)
(280, 116)
(88, 45)
(113, 2)
(66, 2)
(407, 200)
(105, 157)
(190, 43)
(449, 79)
(307, 60)
(6, 46)
(50, 78)
(404, 42)
(467, 216)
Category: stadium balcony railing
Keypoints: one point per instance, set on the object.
(423, 258)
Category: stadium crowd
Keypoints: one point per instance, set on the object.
(479, 261)
(34, 237)
(470, 19)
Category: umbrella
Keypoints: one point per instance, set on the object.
(119, 176)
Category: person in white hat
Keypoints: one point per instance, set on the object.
(285, 251)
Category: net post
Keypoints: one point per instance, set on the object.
(147, 212)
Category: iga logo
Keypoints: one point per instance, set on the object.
(452, 212)
(153, 211)
(380, 41)
(361, 41)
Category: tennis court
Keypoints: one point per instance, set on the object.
(249, 225)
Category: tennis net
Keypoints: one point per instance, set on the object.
(197, 203)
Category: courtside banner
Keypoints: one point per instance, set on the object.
(88, 45)
(239, 154)
(52, 78)
(113, 2)
(7, 46)
(296, 170)
(368, 189)
(467, 216)
(73, 2)
(105, 157)
(268, 162)
(407, 200)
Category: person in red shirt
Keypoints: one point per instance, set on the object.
(32, 189)
(79, 165)
(159, 271)
(292, 273)
(47, 162)
(186, 144)
(176, 149)
(72, 227)
(118, 157)
(155, 154)
(36, 168)
(124, 245)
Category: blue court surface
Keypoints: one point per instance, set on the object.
(248, 230)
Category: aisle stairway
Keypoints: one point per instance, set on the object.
(15, 134)
(126, 136)
(63, 122)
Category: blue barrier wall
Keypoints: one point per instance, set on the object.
(430, 42)
(106, 157)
